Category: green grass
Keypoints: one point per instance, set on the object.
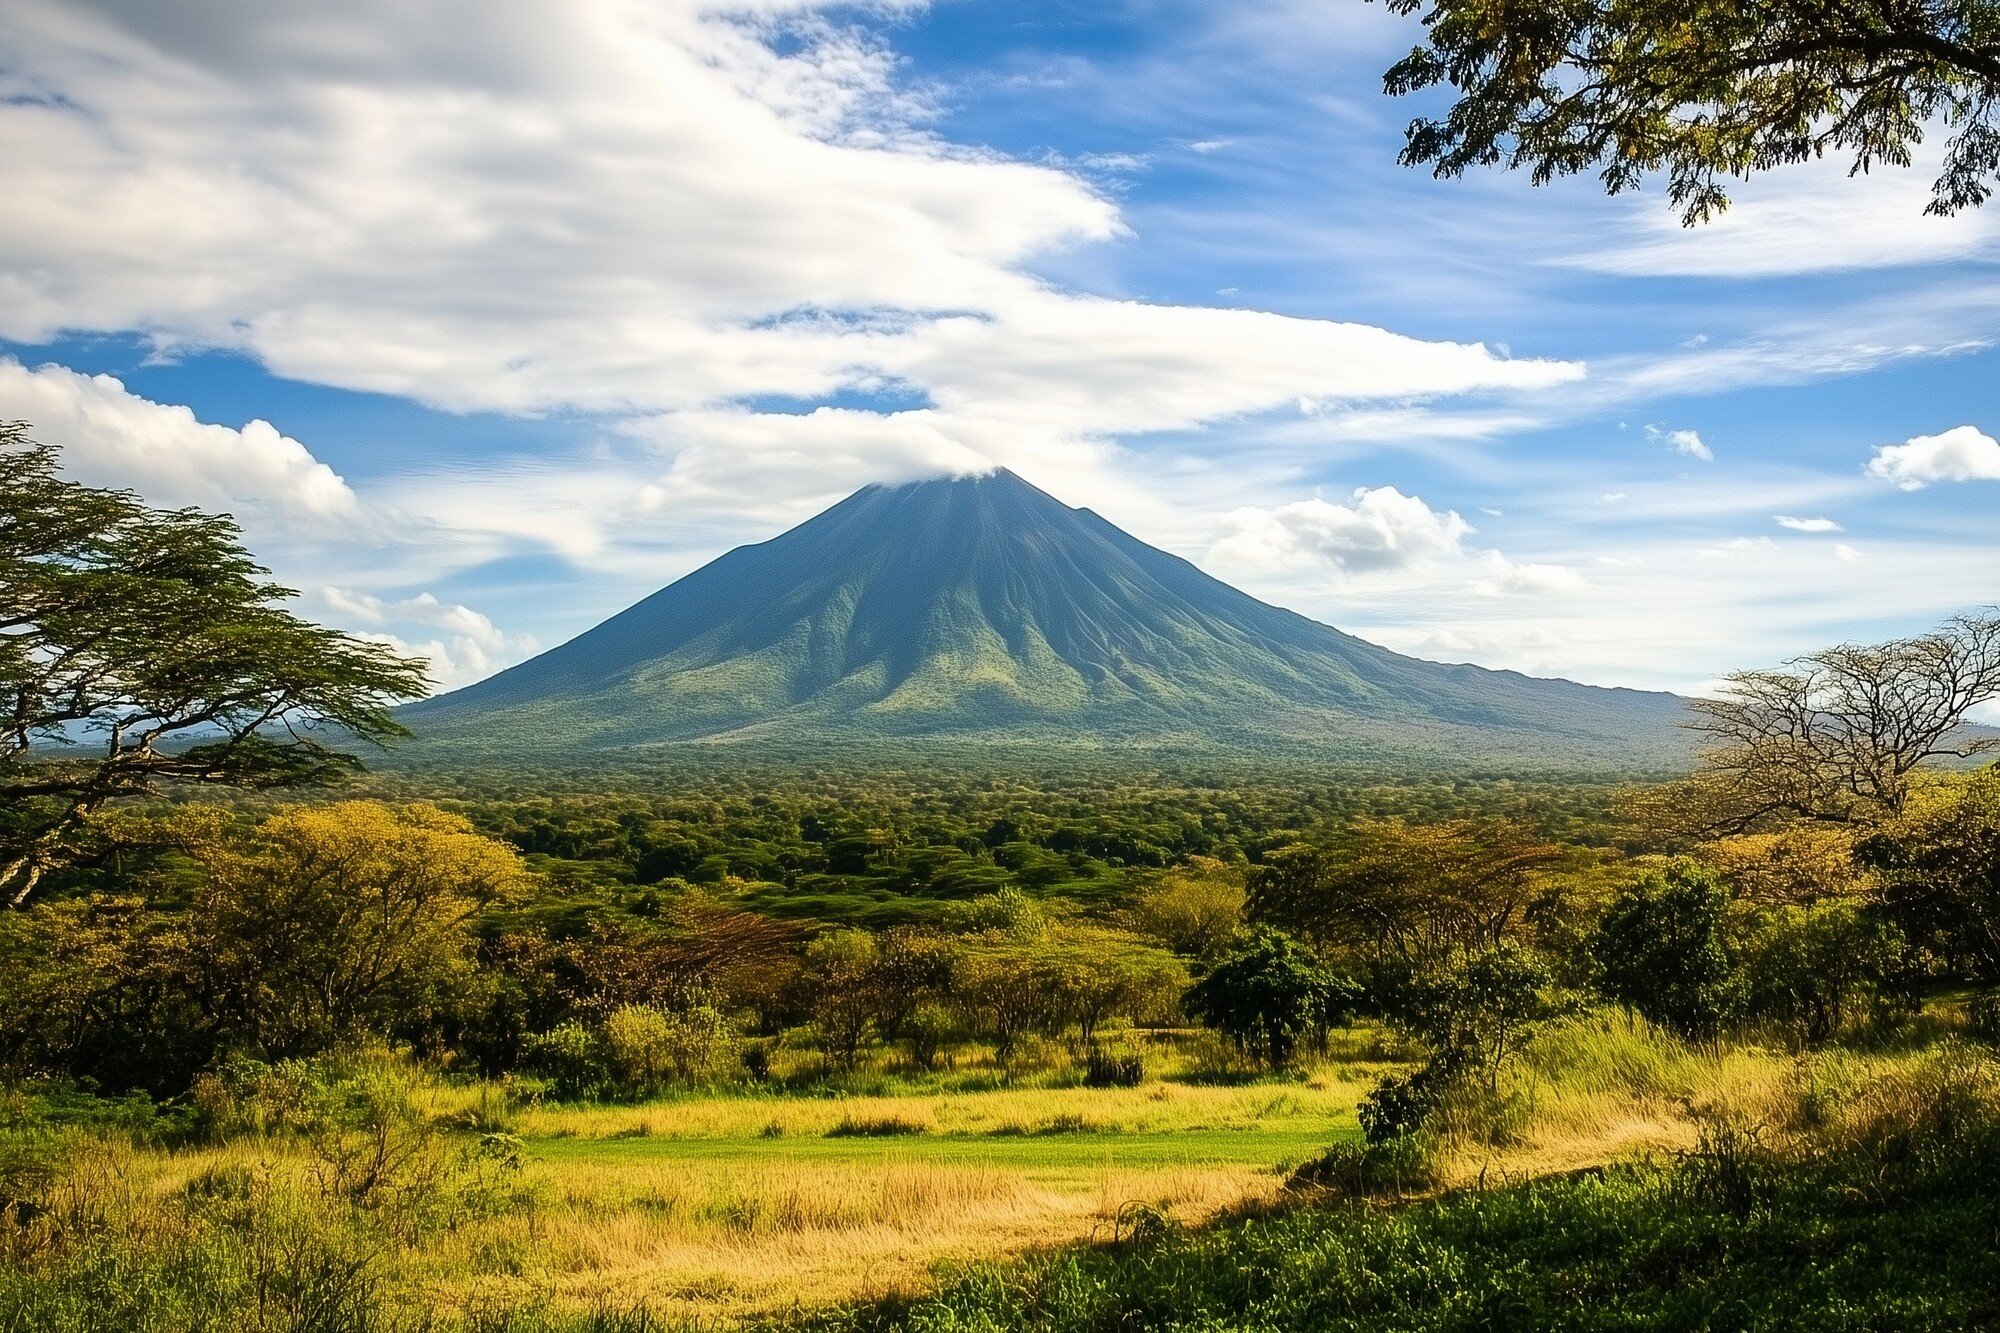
(1025, 1152)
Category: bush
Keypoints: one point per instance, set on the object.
(1394, 1167)
(930, 1029)
(572, 1058)
(1269, 994)
(1660, 950)
(648, 1048)
(1103, 1069)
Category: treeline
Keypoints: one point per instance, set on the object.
(199, 936)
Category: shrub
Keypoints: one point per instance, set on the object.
(1103, 1069)
(1660, 950)
(930, 1029)
(1270, 993)
(571, 1057)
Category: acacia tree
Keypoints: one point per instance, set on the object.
(1403, 897)
(1836, 736)
(1705, 90)
(141, 646)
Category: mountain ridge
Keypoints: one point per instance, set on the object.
(982, 606)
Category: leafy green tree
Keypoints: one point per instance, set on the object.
(1706, 91)
(1939, 871)
(1474, 1011)
(838, 980)
(1193, 908)
(141, 645)
(1816, 969)
(912, 967)
(1661, 950)
(1269, 994)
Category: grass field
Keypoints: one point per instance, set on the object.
(731, 1205)
(749, 1205)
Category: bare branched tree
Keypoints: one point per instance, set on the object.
(1835, 736)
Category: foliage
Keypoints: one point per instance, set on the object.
(334, 923)
(1838, 735)
(1403, 897)
(140, 646)
(1939, 867)
(839, 979)
(1661, 950)
(1704, 92)
(1795, 866)
(1269, 994)
(1193, 909)
(1818, 970)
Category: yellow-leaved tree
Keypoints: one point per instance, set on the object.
(344, 921)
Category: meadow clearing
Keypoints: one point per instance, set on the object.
(699, 1208)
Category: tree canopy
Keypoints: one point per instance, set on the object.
(142, 645)
(1704, 91)
(1836, 736)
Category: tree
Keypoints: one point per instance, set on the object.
(1836, 736)
(139, 646)
(1407, 897)
(912, 967)
(1939, 870)
(344, 921)
(838, 978)
(1661, 951)
(1815, 969)
(1473, 1012)
(1269, 994)
(1706, 91)
(1192, 908)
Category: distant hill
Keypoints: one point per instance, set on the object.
(982, 612)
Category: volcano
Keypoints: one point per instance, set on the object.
(982, 610)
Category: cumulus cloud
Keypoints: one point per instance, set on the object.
(1501, 577)
(1963, 453)
(461, 644)
(529, 206)
(297, 514)
(1681, 442)
(111, 437)
(1796, 524)
(1382, 532)
(1383, 529)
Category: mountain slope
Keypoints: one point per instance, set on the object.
(984, 607)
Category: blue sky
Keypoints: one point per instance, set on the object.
(488, 318)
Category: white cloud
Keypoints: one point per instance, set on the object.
(468, 647)
(1843, 552)
(1963, 453)
(630, 209)
(1501, 577)
(1811, 218)
(1736, 548)
(1383, 530)
(1681, 442)
(1795, 524)
(297, 514)
(110, 437)
(1382, 533)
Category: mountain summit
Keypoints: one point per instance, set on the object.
(983, 608)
